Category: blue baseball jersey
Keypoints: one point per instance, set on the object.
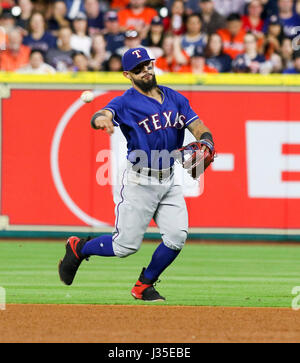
(149, 125)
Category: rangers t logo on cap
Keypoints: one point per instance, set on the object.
(134, 57)
(137, 52)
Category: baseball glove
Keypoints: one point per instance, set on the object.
(194, 159)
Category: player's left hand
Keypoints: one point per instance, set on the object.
(196, 156)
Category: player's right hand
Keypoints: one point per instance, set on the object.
(104, 123)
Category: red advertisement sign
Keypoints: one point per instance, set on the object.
(50, 160)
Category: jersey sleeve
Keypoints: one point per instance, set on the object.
(115, 106)
(188, 112)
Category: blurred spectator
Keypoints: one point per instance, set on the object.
(7, 21)
(61, 57)
(227, 7)
(132, 40)
(42, 6)
(7, 4)
(99, 54)
(287, 16)
(175, 22)
(59, 17)
(211, 19)
(193, 37)
(233, 36)
(174, 57)
(26, 12)
(80, 41)
(250, 61)
(119, 4)
(16, 54)
(297, 7)
(3, 38)
(138, 16)
(253, 22)
(215, 57)
(270, 8)
(286, 53)
(296, 64)
(80, 62)
(155, 37)
(38, 37)
(197, 64)
(156, 4)
(273, 37)
(190, 6)
(94, 16)
(113, 36)
(276, 63)
(37, 64)
(114, 64)
(74, 7)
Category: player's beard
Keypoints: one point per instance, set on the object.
(146, 86)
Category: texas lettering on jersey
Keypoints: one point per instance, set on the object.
(157, 123)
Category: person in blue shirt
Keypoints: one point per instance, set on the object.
(95, 16)
(296, 68)
(288, 18)
(215, 57)
(113, 36)
(74, 7)
(251, 61)
(193, 37)
(38, 38)
(58, 18)
(153, 119)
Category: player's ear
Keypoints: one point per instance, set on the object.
(127, 75)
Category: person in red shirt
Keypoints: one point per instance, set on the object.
(138, 16)
(173, 58)
(233, 36)
(16, 55)
(253, 22)
(175, 22)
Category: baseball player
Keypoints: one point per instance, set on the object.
(153, 119)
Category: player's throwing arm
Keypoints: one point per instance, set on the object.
(102, 120)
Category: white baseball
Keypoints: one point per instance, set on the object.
(87, 96)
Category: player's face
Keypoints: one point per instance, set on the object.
(143, 76)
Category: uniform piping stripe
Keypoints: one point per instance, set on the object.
(191, 119)
(118, 207)
(114, 114)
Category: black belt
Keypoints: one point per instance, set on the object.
(159, 174)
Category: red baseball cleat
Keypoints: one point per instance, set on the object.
(144, 290)
(69, 265)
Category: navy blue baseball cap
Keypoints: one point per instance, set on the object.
(133, 57)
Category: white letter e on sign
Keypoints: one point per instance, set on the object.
(267, 163)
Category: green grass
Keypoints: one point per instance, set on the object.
(215, 275)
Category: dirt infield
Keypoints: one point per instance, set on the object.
(154, 324)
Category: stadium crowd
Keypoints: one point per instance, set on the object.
(197, 36)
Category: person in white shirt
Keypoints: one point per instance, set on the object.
(226, 7)
(36, 64)
(80, 41)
